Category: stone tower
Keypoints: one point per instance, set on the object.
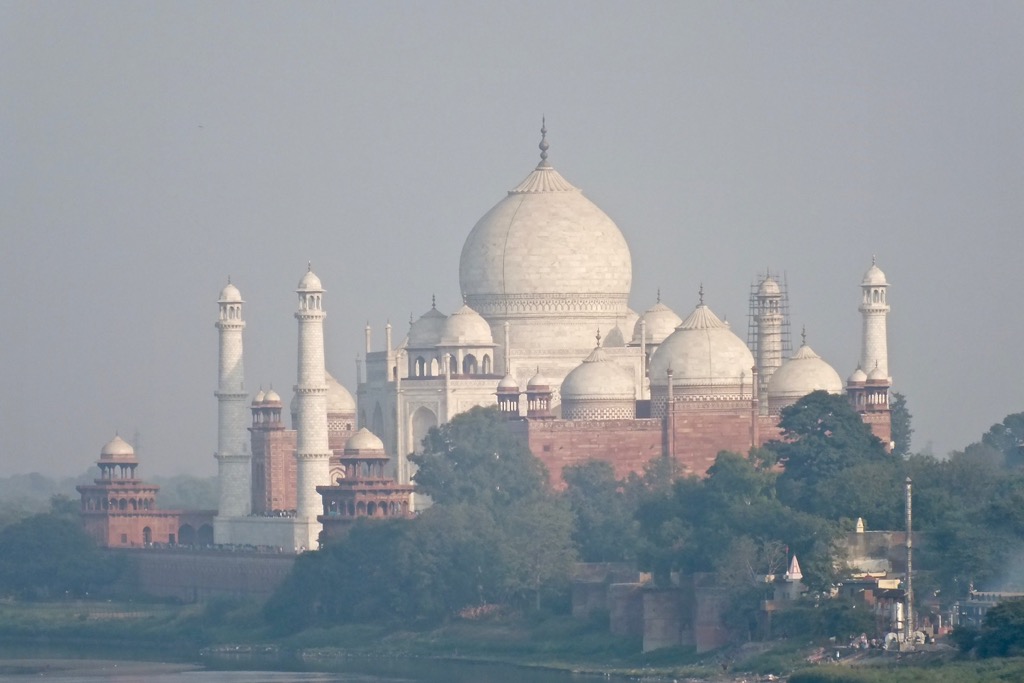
(233, 460)
(312, 450)
(769, 333)
(874, 308)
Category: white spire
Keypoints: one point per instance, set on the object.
(312, 451)
(874, 308)
(234, 466)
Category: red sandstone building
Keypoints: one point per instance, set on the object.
(120, 510)
(362, 490)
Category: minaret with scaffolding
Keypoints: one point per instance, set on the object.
(768, 328)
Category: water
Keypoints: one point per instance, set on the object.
(361, 670)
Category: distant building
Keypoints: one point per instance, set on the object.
(120, 510)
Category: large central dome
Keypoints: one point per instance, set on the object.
(543, 249)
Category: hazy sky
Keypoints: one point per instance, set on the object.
(149, 150)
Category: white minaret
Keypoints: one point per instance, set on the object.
(874, 307)
(234, 467)
(312, 451)
(769, 333)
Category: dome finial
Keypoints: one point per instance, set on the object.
(433, 301)
(803, 335)
(229, 279)
(873, 259)
(309, 266)
(543, 142)
(700, 293)
(599, 336)
(659, 295)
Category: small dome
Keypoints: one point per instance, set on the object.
(258, 398)
(466, 327)
(117, 449)
(364, 441)
(598, 377)
(702, 351)
(310, 282)
(426, 332)
(230, 295)
(659, 321)
(769, 287)
(877, 375)
(538, 381)
(874, 276)
(803, 373)
(339, 400)
(858, 377)
(615, 339)
(508, 382)
(271, 397)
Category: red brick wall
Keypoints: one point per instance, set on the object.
(627, 444)
(273, 453)
(197, 575)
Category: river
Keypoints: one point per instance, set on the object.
(34, 666)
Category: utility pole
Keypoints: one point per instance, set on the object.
(909, 621)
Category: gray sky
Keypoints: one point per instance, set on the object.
(149, 150)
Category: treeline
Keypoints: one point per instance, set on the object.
(497, 536)
(22, 495)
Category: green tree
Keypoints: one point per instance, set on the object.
(604, 525)
(1002, 632)
(536, 548)
(822, 438)
(476, 459)
(1007, 437)
(49, 555)
(901, 425)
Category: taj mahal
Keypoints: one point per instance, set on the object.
(545, 332)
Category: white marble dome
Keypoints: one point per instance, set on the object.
(258, 398)
(117, 449)
(659, 321)
(465, 327)
(615, 338)
(769, 287)
(230, 295)
(702, 351)
(271, 397)
(598, 376)
(598, 389)
(339, 400)
(310, 282)
(877, 374)
(425, 333)
(508, 382)
(545, 248)
(874, 276)
(804, 372)
(538, 381)
(364, 441)
(858, 376)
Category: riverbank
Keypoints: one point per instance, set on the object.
(234, 635)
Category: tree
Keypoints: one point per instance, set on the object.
(901, 425)
(822, 438)
(1007, 437)
(604, 528)
(1001, 633)
(537, 548)
(476, 459)
(49, 555)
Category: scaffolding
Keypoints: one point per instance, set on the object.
(753, 333)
